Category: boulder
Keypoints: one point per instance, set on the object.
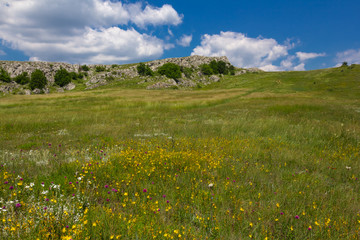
(69, 87)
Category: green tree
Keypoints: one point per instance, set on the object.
(170, 70)
(4, 76)
(214, 67)
(38, 79)
(222, 68)
(232, 70)
(22, 78)
(62, 77)
(144, 70)
(206, 69)
(84, 68)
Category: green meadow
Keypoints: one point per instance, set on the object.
(255, 156)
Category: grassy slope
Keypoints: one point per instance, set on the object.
(306, 121)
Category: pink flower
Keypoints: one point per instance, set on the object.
(297, 217)
(144, 190)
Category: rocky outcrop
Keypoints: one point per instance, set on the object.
(191, 61)
(49, 68)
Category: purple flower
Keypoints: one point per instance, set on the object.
(106, 186)
(107, 200)
(164, 196)
(144, 190)
(309, 228)
(6, 182)
(297, 216)
(18, 205)
(47, 200)
(45, 208)
(114, 190)
(70, 182)
(109, 192)
(167, 201)
(281, 213)
(67, 226)
(11, 187)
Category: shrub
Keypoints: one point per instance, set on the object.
(344, 64)
(84, 68)
(22, 78)
(206, 69)
(170, 70)
(187, 71)
(144, 70)
(38, 79)
(62, 77)
(214, 66)
(222, 68)
(232, 70)
(100, 68)
(4, 76)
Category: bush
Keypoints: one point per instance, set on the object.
(100, 69)
(38, 79)
(22, 78)
(84, 68)
(144, 70)
(206, 69)
(4, 76)
(232, 70)
(62, 77)
(187, 71)
(214, 66)
(170, 70)
(222, 68)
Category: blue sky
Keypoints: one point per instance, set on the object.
(272, 35)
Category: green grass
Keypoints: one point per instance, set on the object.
(274, 146)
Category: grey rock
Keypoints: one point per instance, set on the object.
(214, 78)
(60, 90)
(36, 91)
(27, 92)
(70, 86)
(46, 90)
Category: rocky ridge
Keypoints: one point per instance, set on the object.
(112, 73)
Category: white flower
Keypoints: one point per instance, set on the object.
(348, 168)
(211, 185)
(79, 178)
(44, 192)
(32, 184)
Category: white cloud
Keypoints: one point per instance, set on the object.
(84, 31)
(243, 51)
(185, 40)
(2, 53)
(351, 56)
(303, 56)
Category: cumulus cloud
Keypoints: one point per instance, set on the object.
(185, 40)
(84, 31)
(243, 51)
(303, 56)
(351, 56)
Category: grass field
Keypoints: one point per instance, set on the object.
(255, 156)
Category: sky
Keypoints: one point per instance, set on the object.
(276, 35)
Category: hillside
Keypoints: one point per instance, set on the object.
(257, 155)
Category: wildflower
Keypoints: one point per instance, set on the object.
(281, 213)
(70, 182)
(164, 196)
(6, 182)
(45, 208)
(144, 190)
(297, 216)
(106, 186)
(18, 205)
(114, 190)
(11, 187)
(309, 228)
(211, 185)
(107, 200)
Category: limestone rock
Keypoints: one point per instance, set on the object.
(36, 91)
(69, 86)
